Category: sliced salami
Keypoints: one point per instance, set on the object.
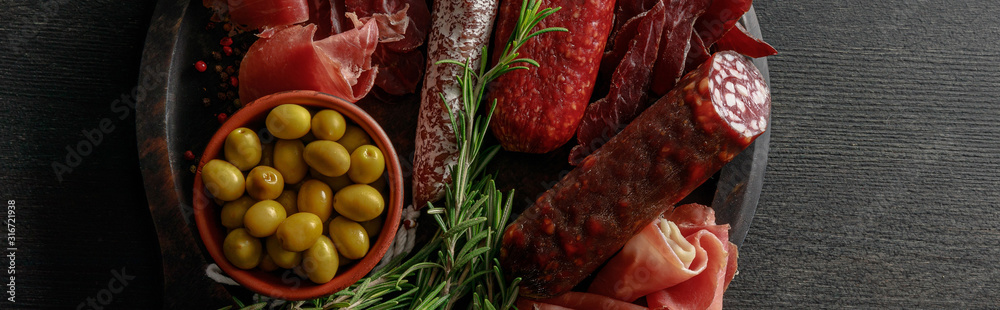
(460, 30)
(714, 113)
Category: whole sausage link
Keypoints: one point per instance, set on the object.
(714, 113)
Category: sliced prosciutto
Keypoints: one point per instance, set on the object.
(410, 19)
(684, 260)
(576, 300)
(257, 14)
(703, 291)
(657, 258)
(288, 59)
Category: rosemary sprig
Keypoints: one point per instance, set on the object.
(475, 212)
(462, 257)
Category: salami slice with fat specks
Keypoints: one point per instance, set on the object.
(714, 113)
(460, 30)
(627, 96)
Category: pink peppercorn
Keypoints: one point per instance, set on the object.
(201, 66)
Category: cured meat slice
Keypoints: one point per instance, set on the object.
(619, 43)
(461, 29)
(697, 54)
(651, 261)
(627, 96)
(391, 27)
(738, 40)
(257, 14)
(288, 59)
(398, 73)
(416, 24)
(539, 109)
(576, 300)
(703, 291)
(662, 256)
(670, 149)
(670, 66)
(721, 16)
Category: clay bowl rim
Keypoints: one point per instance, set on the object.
(289, 286)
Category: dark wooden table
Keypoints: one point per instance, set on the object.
(881, 189)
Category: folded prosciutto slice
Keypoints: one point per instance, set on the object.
(576, 300)
(257, 14)
(684, 260)
(288, 59)
(703, 291)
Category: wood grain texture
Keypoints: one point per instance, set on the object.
(62, 66)
(881, 187)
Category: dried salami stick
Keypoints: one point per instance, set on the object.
(460, 29)
(538, 109)
(714, 113)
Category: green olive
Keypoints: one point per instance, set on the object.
(233, 211)
(328, 125)
(266, 263)
(289, 200)
(265, 183)
(288, 160)
(381, 185)
(349, 237)
(263, 218)
(321, 261)
(317, 198)
(374, 226)
(367, 164)
(242, 249)
(354, 137)
(283, 258)
(336, 183)
(328, 157)
(358, 202)
(267, 155)
(299, 231)
(288, 121)
(223, 180)
(242, 148)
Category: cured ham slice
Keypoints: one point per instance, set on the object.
(410, 19)
(657, 258)
(257, 14)
(288, 59)
(683, 261)
(576, 300)
(703, 291)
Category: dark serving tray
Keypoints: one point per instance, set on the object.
(171, 120)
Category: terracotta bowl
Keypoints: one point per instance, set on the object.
(283, 283)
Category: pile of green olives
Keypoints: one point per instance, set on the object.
(311, 201)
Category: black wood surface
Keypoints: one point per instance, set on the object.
(881, 186)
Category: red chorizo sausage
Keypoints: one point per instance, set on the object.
(538, 109)
(459, 31)
(714, 113)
